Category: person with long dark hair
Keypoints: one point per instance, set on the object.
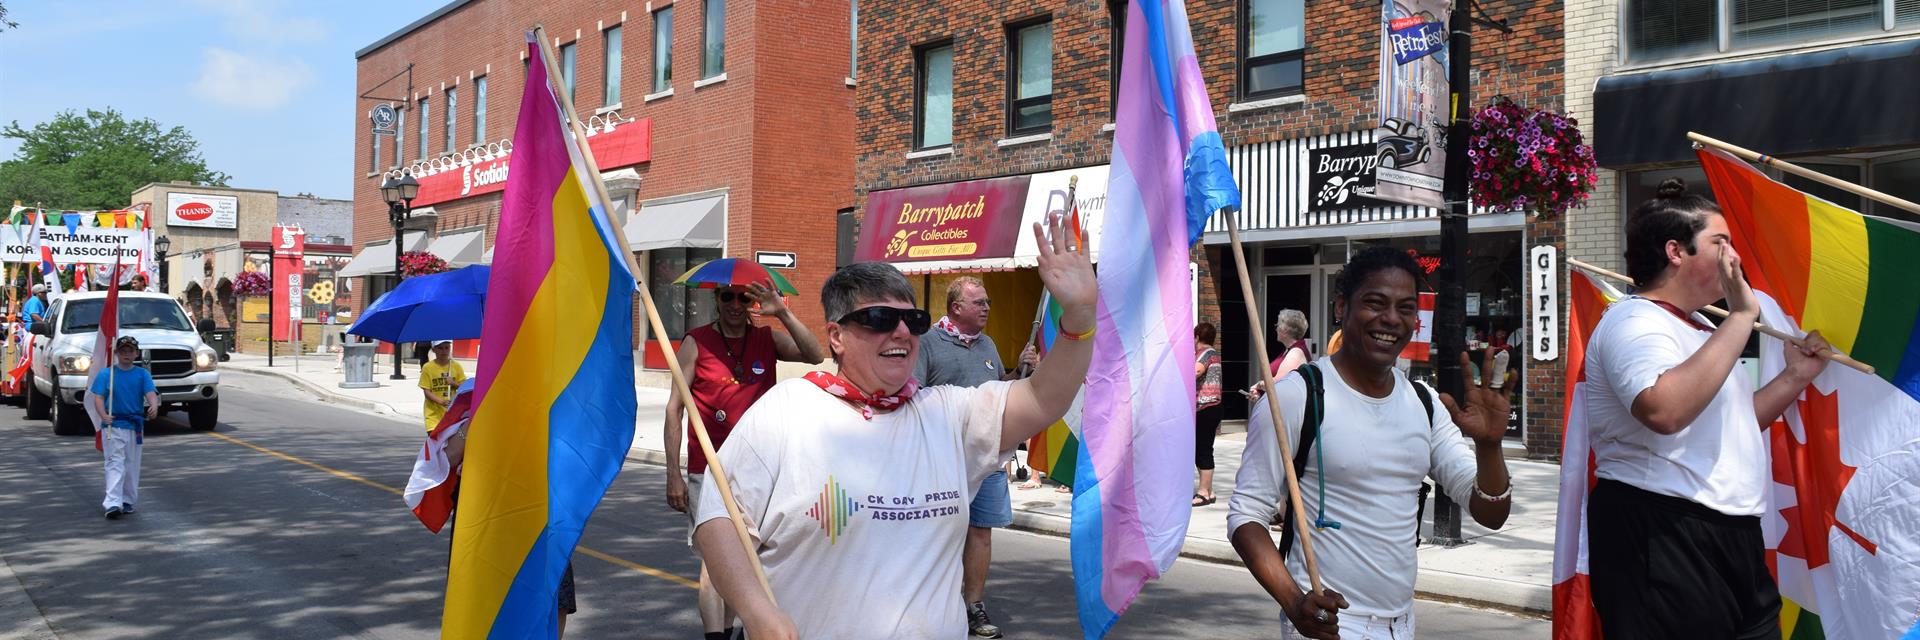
(1206, 412)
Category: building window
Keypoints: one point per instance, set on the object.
(663, 49)
(1273, 41)
(610, 76)
(373, 161)
(569, 54)
(853, 39)
(1029, 77)
(1116, 52)
(1670, 29)
(453, 107)
(480, 110)
(400, 138)
(713, 39)
(681, 308)
(426, 127)
(933, 96)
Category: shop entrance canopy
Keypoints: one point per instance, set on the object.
(980, 225)
(699, 222)
(377, 258)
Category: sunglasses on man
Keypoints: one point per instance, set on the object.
(884, 319)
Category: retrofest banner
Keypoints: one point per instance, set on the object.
(1411, 140)
(86, 245)
(954, 221)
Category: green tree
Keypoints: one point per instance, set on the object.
(97, 160)
(6, 24)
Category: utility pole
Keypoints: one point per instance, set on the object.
(1450, 307)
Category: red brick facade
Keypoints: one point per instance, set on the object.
(776, 133)
(1340, 87)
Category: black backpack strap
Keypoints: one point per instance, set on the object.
(1420, 511)
(1310, 421)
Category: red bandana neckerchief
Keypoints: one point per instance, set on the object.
(947, 325)
(844, 390)
(1677, 313)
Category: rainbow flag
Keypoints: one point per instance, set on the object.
(1848, 275)
(556, 345)
(1056, 451)
(1133, 485)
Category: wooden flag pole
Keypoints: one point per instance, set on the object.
(1298, 523)
(1830, 354)
(1770, 161)
(714, 468)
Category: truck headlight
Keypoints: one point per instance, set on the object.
(204, 359)
(75, 365)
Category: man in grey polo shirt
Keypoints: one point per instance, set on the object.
(957, 352)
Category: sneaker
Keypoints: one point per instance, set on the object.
(981, 625)
(113, 513)
(126, 508)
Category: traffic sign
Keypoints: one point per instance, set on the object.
(777, 259)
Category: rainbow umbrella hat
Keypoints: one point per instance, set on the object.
(728, 272)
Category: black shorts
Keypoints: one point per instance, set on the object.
(1666, 567)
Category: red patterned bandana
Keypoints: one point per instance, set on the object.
(844, 390)
(966, 339)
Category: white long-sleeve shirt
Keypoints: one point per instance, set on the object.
(1377, 451)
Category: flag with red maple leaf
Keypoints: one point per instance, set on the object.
(1843, 520)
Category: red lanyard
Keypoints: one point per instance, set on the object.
(1677, 313)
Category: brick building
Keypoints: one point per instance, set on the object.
(997, 104)
(725, 128)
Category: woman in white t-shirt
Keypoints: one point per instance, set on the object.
(856, 483)
(1674, 519)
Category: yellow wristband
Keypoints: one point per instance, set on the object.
(1064, 333)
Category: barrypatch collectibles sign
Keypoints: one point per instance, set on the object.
(202, 210)
(954, 221)
(1342, 178)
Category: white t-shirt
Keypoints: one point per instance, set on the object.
(861, 522)
(1377, 451)
(1719, 461)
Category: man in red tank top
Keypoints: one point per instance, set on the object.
(729, 364)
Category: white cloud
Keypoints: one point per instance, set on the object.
(256, 20)
(249, 82)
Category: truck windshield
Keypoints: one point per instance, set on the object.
(135, 313)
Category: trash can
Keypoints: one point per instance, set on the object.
(356, 366)
(221, 340)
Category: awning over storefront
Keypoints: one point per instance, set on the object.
(982, 225)
(1849, 99)
(699, 222)
(460, 248)
(377, 257)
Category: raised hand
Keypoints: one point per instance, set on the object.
(1064, 268)
(1484, 418)
(770, 301)
(1733, 282)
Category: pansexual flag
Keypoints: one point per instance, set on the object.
(1169, 174)
(554, 403)
(1849, 276)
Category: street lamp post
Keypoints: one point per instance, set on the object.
(399, 194)
(160, 247)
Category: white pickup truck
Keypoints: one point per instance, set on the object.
(183, 366)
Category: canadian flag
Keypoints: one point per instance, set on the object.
(435, 478)
(1573, 614)
(1420, 346)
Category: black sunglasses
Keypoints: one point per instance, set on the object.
(729, 296)
(884, 319)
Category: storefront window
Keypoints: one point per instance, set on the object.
(680, 308)
(1900, 179)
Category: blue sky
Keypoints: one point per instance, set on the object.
(266, 86)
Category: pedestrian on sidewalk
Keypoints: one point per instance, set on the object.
(126, 399)
(439, 379)
(730, 363)
(1207, 409)
(958, 352)
(1679, 452)
(857, 482)
(1365, 438)
(1289, 329)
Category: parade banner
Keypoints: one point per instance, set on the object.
(289, 263)
(1410, 143)
(84, 245)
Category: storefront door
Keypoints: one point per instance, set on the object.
(1295, 288)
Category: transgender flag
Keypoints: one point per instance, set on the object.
(554, 404)
(1133, 485)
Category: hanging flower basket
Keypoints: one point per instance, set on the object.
(1529, 160)
(252, 283)
(421, 263)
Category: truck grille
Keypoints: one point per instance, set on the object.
(168, 363)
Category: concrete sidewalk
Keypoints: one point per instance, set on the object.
(1510, 569)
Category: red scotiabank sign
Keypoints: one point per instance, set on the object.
(627, 144)
(955, 221)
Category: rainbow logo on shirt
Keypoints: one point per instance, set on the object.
(833, 510)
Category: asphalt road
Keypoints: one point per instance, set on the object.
(287, 522)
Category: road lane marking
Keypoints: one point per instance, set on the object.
(348, 475)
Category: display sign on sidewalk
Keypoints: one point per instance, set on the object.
(289, 261)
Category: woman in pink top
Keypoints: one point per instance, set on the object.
(1290, 329)
(1207, 410)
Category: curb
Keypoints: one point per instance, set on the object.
(325, 394)
(20, 616)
